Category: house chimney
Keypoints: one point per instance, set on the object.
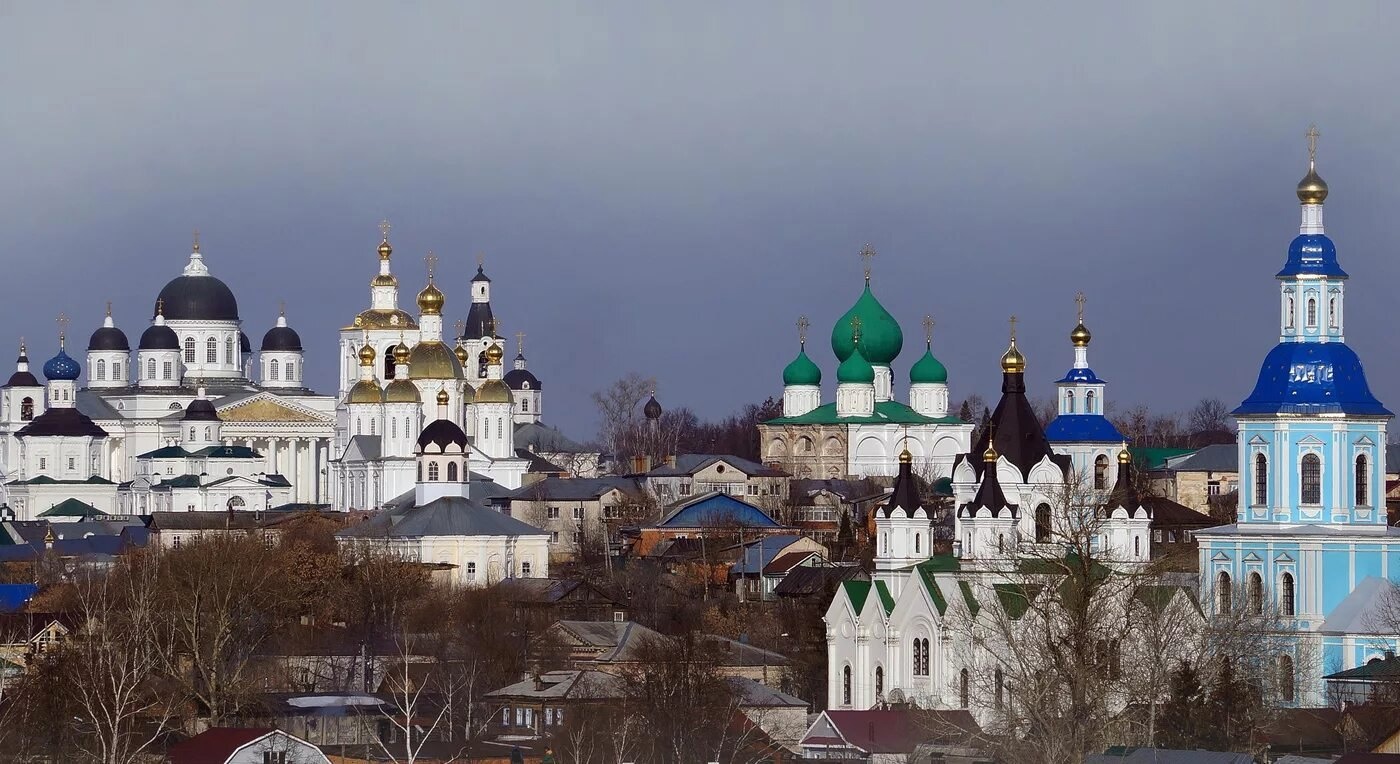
(539, 683)
(671, 461)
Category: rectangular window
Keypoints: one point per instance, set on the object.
(578, 537)
(753, 489)
(505, 716)
(578, 513)
(554, 537)
(168, 371)
(43, 464)
(72, 463)
(471, 571)
(554, 513)
(1213, 488)
(685, 489)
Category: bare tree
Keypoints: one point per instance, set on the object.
(1209, 415)
(618, 412)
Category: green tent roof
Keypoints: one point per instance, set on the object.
(886, 599)
(72, 508)
(857, 591)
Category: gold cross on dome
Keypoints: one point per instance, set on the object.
(431, 259)
(855, 329)
(928, 330)
(1079, 300)
(384, 228)
(461, 329)
(160, 306)
(867, 253)
(802, 324)
(520, 343)
(1312, 134)
(1013, 327)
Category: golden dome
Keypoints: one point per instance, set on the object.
(493, 391)
(442, 396)
(462, 355)
(433, 360)
(1312, 189)
(402, 391)
(905, 457)
(431, 300)
(365, 391)
(1124, 457)
(384, 280)
(401, 354)
(384, 319)
(1080, 336)
(468, 395)
(385, 250)
(1012, 362)
(990, 455)
(366, 355)
(494, 354)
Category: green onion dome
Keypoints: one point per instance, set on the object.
(880, 335)
(928, 370)
(802, 371)
(855, 369)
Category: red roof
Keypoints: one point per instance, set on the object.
(899, 731)
(214, 745)
(785, 562)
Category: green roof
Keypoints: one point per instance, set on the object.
(926, 575)
(46, 480)
(972, 604)
(941, 563)
(886, 598)
(1156, 458)
(928, 370)
(72, 508)
(857, 591)
(886, 412)
(855, 369)
(1016, 599)
(802, 371)
(880, 336)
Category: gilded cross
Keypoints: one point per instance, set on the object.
(802, 324)
(1312, 135)
(384, 228)
(855, 329)
(493, 325)
(928, 331)
(160, 306)
(867, 253)
(461, 329)
(520, 343)
(1013, 327)
(62, 321)
(431, 259)
(1079, 300)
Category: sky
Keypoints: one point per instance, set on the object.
(663, 188)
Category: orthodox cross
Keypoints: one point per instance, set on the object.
(1079, 300)
(196, 240)
(802, 324)
(109, 308)
(867, 253)
(480, 261)
(384, 228)
(855, 330)
(62, 321)
(928, 331)
(1312, 135)
(520, 343)
(1013, 327)
(461, 329)
(160, 306)
(282, 308)
(431, 259)
(493, 325)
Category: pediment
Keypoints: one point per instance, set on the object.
(1258, 440)
(1365, 440)
(1283, 557)
(1220, 557)
(1252, 557)
(1312, 440)
(268, 408)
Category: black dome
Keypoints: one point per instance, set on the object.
(442, 433)
(198, 298)
(244, 346)
(516, 379)
(108, 338)
(653, 409)
(200, 410)
(157, 337)
(281, 338)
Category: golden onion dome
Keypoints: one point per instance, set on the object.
(431, 300)
(462, 355)
(905, 457)
(385, 250)
(990, 455)
(433, 360)
(384, 280)
(442, 397)
(494, 354)
(1312, 189)
(1080, 336)
(401, 354)
(493, 391)
(402, 391)
(366, 355)
(1012, 362)
(384, 319)
(365, 391)
(1124, 457)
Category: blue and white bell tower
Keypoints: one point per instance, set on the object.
(1310, 547)
(1081, 430)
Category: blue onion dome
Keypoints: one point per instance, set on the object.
(802, 371)
(855, 369)
(62, 367)
(880, 335)
(928, 370)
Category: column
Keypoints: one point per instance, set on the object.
(306, 474)
(271, 455)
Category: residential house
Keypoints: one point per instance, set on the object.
(763, 563)
(614, 647)
(1199, 478)
(1174, 528)
(1375, 681)
(354, 720)
(69, 544)
(26, 635)
(1167, 756)
(579, 513)
(817, 506)
(894, 736)
(711, 516)
(687, 475)
(169, 530)
(542, 440)
(238, 745)
(572, 599)
(818, 584)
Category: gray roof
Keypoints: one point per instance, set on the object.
(94, 406)
(575, 685)
(447, 516)
(1361, 612)
(1164, 756)
(756, 694)
(1224, 457)
(541, 438)
(1392, 457)
(574, 489)
(689, 464)
(368, 445)
(756, 555)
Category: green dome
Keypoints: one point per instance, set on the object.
(802, 371)
(856, 369)
(880, 336)
(928, 370)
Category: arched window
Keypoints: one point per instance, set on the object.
(1042, 523)
(359, 424)
(916, 543)
(229, 355)
(272, 369)
(167, 370)
(1137, 546)
(1363, 497)
(420, 472)
(1312, 479)
(211, 350)
(1312, 312)
(452, 472)
(926, 657)
(884, 543)
(208, 433)
(1222, 593)
(1261, 480)
(393, 427)
(997, 685)
(373, 425)
(880, 682)
(1089, 402)
(1332, 311)
(524, 405)
(99, 369)
(117, 371)
(26, 409)
(432, 472)
(1285, 678)
(1256, 594)
(1285, 594)
(407, 427)
(150, 368)
(962, 689)
(1100, 472)
(389, 363)
(845, 685)
(189, 350)
(500, 427)
(1001, 543)
(1069, 401)
(192, 433)
(481, 364)
(918, 656)
(1288, 313)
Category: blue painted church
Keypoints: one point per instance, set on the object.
(1311, 546)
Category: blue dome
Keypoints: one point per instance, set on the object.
(1311, 378)
(62, 366)
(1085, 376)
(1082, 428)
(1312, 254)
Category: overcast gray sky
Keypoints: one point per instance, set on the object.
(664, 187)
